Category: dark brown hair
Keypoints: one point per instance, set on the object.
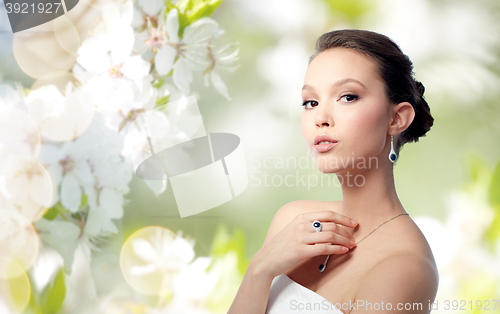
(395, 68)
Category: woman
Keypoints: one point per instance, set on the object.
(363, 254)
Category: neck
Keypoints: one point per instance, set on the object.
(370, 201)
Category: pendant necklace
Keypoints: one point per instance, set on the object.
(322, 267)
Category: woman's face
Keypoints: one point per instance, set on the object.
(344, 98)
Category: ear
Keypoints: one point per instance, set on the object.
(402, 116)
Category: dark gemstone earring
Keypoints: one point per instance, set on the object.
(392, 154)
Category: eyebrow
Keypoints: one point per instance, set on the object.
(338, 83)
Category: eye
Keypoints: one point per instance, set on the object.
(350, 97)
(312, 102)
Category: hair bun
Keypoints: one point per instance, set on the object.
(420, 88)
(423, 120)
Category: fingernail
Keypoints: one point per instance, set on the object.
(353, 222)
(353, 244)
(344, 249)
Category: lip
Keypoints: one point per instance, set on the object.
(323, 137)
(324, 147)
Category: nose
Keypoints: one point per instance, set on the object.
(323, 116)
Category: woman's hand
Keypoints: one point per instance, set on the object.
(298, 241)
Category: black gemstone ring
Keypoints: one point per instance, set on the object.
(317, 226)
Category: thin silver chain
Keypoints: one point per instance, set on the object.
(322, 268)
(381, 226)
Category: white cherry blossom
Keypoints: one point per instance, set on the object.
(25, 187)
(116, 75)
(183, 55)
(198, 272)
(92, 164)
(112, 92)
(59, 117)
(113, 44)
(63, 236)
(18, 133)
(10, 97)
(223, 58)
(162, 252)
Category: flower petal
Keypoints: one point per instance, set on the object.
(143, 270)
(135, 68)
(173, 26)
(109, 94)
(122, 43)
(99, 222)
(49, 154)
(227, 57)
(219, 85)
(199, 31)
(111, 202)
(71, 194)
(151, 7)
(176, 254)
(140, 46)
(55, 172)
(92, 54)
(182, 75)
(143, 249)
(127, 13)
(62, 236)
(205, 280)
(136, 19)
(164, 59)
(83, 171)
(41, 189)
(218, 32)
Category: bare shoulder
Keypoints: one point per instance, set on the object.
(289, 211)
(407, 278)
(283, 217)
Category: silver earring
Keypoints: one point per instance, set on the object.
(392, 154)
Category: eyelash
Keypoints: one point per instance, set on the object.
(353, 95)
(308, 101)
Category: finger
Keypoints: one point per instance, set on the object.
(326, 249)
(330, 226)
(330, 237)
(329, 216)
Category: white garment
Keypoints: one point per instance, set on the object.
(289, 297)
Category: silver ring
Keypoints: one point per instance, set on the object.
(316, 226)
